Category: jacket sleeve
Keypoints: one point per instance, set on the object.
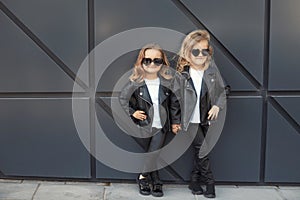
(175, 111)
(177, 86)
(220, 93)
(127, 99)
(175, 97)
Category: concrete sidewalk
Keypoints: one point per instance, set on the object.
(52, 190)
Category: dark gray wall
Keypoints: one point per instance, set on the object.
(44, 42)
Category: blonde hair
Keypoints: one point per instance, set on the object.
(138, 74)
(189, 41)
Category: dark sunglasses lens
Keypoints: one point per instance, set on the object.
(158, 61)
(205, 52)
(195, 52)
(146, 61)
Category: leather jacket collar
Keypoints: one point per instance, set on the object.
(163, 90)
(186, 74)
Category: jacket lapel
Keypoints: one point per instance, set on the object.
(203, 88)
(208, 78)
(144, 93)
(190, 84)
(163, 94)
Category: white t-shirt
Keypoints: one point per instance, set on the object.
(153, 88)
(197, 76)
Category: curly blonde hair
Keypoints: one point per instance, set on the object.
(185, 51)
(138, 74)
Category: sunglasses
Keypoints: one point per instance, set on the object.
(156, 61)
(196, 52)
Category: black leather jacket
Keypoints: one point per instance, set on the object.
(135, 96)
(212, 93)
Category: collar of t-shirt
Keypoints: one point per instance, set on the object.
(153, 88)
(197, 76)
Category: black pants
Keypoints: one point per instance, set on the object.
(151, 144)
(201, 170)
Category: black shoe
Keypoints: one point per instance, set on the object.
(196, 188)
(144, 186)
(210, 191)
(157, 190)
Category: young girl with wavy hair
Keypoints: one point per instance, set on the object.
(149, 101)
(202, 95)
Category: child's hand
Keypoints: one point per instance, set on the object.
(176, 128)
(213, 113)
(139, 114)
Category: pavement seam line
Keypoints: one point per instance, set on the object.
(104, 193)
(278, 190)
(38, 186)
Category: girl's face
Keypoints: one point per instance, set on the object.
(152, 62)
(199, 53)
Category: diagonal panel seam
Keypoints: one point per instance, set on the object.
(108, 110)
(189, 14)
(172, 171)
(284, 114)
(42, 46)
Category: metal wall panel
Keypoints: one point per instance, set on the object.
(38, 138)
(284, 45)
(282, 160)
(115, 71)
(239, 146)
(44, 42)
(239, 25)
(291, 105)
(118, 137)
(24, 66)
(231, 75)
(126, 142)
(283, 145)
(236, 156)
(61, 25)
(112, 17)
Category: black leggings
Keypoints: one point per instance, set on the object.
(201, 169)
(151, 144)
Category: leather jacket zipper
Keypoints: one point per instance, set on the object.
(151, 105)
(146, 100)
(191, 89)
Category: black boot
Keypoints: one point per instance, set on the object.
(157, 190)
(210, 191)
(157, 185)
(144, 187)
(196, 188)
(195, 184)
